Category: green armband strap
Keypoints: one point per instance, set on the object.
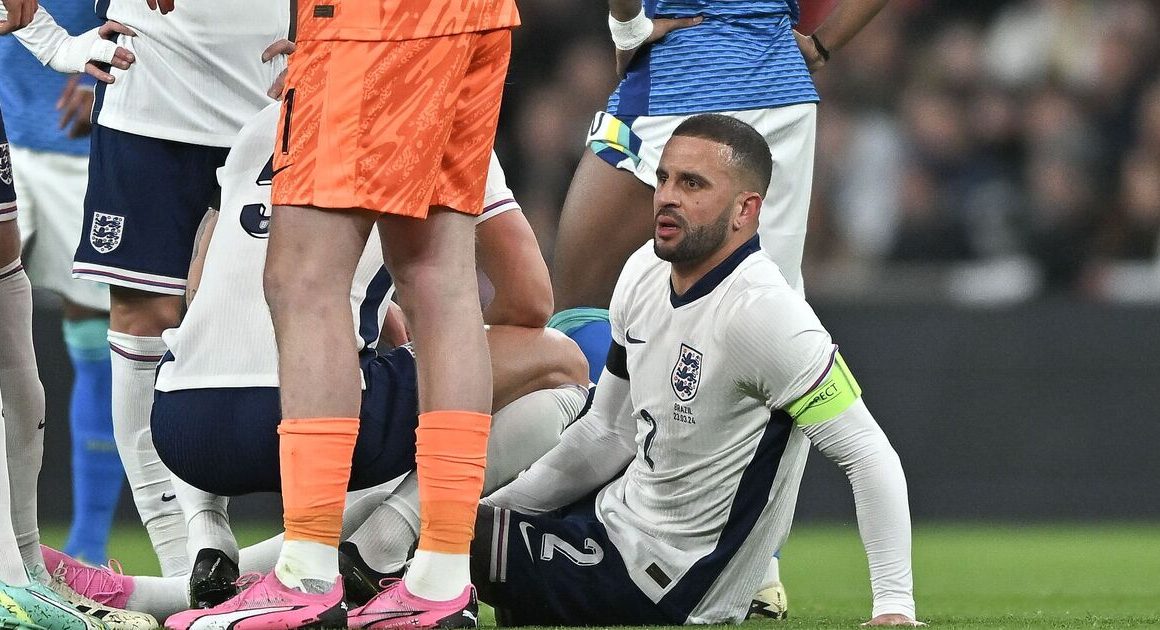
(837, 391)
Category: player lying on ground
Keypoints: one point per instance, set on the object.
(663, 503)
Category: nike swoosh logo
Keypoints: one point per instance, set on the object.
(524, 527)
(630, 339)
(166, 498)
(41, 425)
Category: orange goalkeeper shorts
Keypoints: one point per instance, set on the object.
(392, 127)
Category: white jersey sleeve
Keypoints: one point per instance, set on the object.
(782, 356)
(856, 443)
(199, 76)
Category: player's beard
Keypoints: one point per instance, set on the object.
(698, 242)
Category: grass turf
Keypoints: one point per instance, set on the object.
(966, 576)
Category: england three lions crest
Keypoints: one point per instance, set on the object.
(105, 233)
(687, 374)
(5, 165)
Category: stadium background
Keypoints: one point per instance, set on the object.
(983, 245)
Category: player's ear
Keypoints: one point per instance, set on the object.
(750, 209)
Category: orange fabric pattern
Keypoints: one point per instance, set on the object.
(450, 456)
(399, 20)
(391, 127)
(315, 458)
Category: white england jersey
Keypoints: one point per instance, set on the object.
(199, 74)
(227, 337)
(711, 491)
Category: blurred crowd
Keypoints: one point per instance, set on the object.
(1017, 137)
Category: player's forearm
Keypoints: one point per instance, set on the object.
(845, 21)
(43, 37)
(624, 10)
(855, 442)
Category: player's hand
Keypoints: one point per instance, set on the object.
(661, 27)
(121, 59)
(894, 620)
(164, 5)
(76, 108)
(280, 47)
(814, 59)
(20, 14)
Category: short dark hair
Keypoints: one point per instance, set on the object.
(750, 152)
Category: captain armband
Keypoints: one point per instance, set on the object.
(837, 391)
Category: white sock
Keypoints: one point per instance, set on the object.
(360, 504)
(260, 557)
(207, 523)
(387, 537)
(527, 428)
(308, 566)
(772, 572)
(134, 362)
(438, 576)
(159, 596)
(23, 410)
(11, 565)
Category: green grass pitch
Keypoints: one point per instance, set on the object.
(966, 576)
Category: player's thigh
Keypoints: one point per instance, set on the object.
(524, 360)
(437, 253)
(9, 241)
(791, 134)
(54, 184)
(220, 440)
(552, 570)
(314, 252)
(607, 215)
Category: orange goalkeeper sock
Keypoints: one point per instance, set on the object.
(315, 463)
(450, 456)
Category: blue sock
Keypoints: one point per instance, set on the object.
(97, 471)
(590, 329)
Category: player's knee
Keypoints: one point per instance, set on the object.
(566, 362)
(142, 314)
(297, 290)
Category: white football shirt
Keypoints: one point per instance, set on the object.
(199, 76)
(712, 488)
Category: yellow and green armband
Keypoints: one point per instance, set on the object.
(837, 391)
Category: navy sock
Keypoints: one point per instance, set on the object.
(97, 472)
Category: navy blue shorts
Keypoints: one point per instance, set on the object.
(225, 440)
(145, 200)
(7, 189)
(557, 569)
